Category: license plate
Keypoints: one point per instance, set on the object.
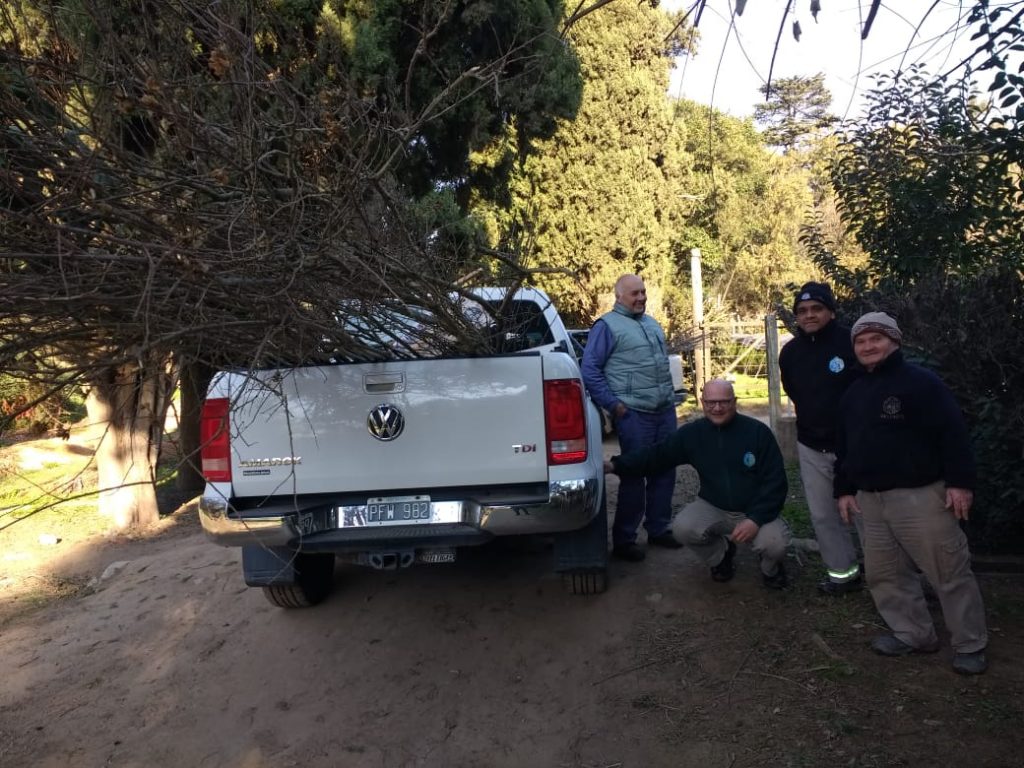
(397, 510)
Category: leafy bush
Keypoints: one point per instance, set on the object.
(971, 332)
(929, 181)
(30, 408)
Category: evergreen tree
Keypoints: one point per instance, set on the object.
(795, 111)
(605, 194)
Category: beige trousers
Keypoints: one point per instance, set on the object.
(835, 538)
(704, 527)
(905, 527)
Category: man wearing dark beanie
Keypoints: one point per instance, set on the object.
(817, 366)
(904, 464)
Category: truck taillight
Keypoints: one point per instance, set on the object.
(214, 439)
(566, 422)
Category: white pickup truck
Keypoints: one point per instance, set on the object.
(404, 461)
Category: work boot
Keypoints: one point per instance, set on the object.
(778, 580)
(970, 663)
(666, 540)
(725, 570)
(630, 552)
(890, 645)
(836, 588)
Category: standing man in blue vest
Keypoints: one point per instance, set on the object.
(626, 370)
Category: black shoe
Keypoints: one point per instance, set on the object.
(890, 645)
(836, 588)
(666, 540)
(726, 569)
(970, 663)
(629, 552)
(778, 580)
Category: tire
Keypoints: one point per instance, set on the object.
(585, 582)
(314, 581)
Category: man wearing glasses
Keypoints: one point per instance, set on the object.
(742, 485)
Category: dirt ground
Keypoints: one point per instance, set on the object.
(171, 661)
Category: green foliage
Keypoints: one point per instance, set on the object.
(603, 195)
(928, 184)
(747, 208)
(795, 112)
(539, 81)
(931, 186)
(27, 406)
(795, 511)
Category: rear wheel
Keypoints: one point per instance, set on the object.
(314, 580)
(583, 582)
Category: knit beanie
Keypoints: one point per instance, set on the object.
(880, 322)
(819, 292)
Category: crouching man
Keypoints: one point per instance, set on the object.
(742, 485)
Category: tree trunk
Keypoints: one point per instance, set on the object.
(129, 402)
(194, 380)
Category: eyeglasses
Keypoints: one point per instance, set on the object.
(719, 403)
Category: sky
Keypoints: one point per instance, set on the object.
(730, 66)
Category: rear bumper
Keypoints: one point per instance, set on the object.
(571, 504)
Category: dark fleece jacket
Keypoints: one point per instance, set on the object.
(740, 464)
(901, 428)
(816, 370)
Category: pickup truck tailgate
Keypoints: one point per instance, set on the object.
(417, 424)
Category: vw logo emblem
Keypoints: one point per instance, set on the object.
(385, 422)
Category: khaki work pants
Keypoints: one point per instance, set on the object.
(905, 527)
(704, 527)
(835, 538)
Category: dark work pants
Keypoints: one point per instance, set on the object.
(648, 498)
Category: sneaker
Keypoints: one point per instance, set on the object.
(629, 552)
(725, 570)
(890, 645)
(778, 580)
(835, 588)
(970, 663)
(665, 539)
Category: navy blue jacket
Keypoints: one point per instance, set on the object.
(816, 370)
(901, 428)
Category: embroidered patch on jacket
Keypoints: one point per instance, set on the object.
(748, 459)
(892, 408)
(836, 365)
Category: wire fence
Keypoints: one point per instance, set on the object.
(745, 352)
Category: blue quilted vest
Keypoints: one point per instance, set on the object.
(637, 370)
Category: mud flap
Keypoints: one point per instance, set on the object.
(268, 566)
(582, 555)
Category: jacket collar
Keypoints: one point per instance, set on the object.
(827, 330)
(892, 362)
(624, 311)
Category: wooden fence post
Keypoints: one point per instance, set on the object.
(700, 353)
(771, 349)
